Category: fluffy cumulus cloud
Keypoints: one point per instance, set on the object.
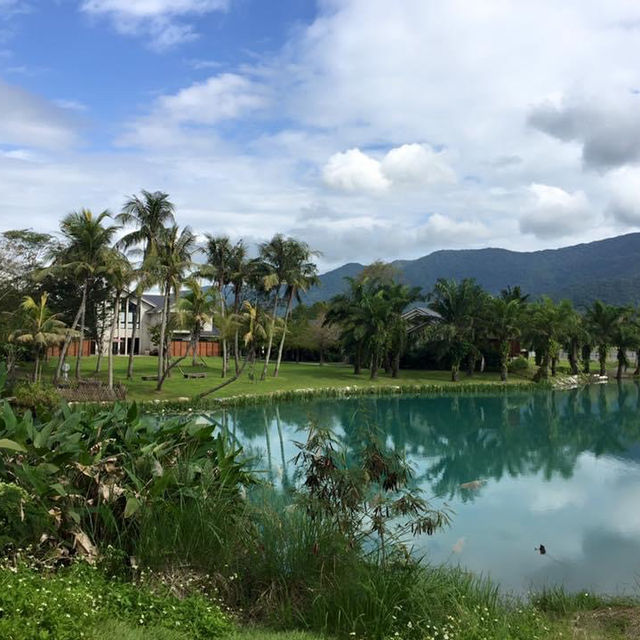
(609, 135)
(160, 19)
(554, 212)
(353, 171)
(407, 165)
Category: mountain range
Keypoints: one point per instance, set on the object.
(608, 270)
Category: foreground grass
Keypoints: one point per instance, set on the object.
(292, 376)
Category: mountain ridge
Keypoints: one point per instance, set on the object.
(607, 269)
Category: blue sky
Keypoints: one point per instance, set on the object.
(370, 129)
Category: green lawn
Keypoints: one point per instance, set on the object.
(292, 376)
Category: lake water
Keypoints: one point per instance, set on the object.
(558, 468)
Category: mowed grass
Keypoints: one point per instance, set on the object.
(292, 376)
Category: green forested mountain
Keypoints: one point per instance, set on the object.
(608, 270)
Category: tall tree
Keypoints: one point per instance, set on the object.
(118, 273)
(170, 264)
(150, 213)
(274, 256)
(240, 270)
(504, 325)
(86, 243)
(194, 309)
(457, 304)
(219, 269)
(299, 275)
(602, 320)
(40, 328)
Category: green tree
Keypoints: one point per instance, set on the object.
(149, 213)
(194, 309)
(602, 321)
(86, 243)
(40, 328)
(504, 325)
(300, 274)
(118, 273)
(458, 305)
(170, 264)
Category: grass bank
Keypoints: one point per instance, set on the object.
(293, 376)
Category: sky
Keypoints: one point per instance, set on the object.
(370, 129)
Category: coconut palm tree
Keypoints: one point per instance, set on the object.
(40, 328)
(240, 269)
(300, 274)
(149, 213)
(399, 297)
(504, 325)
(219, 269)
(274, 256)
(194, 309)
(458, 305)
(170, 263)
(118, 273)
(345, 311)
(87, 242)
(602, 321)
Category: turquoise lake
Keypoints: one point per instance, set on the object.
(558, 468)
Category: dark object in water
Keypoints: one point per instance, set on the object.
(541, 549)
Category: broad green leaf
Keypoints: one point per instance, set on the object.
(11, 444)
(133, 504)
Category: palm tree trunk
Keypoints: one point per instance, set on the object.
(357, 361)
(586, 359)
(455, 371)
(284, 333)
(602, 357)
(224, 358)
(82, 321)
(504, 360)
(223, 313)
(195, 340)
(395, 365)
(248, 357)
(36, 367)
(637, 370)
(112, 331)
(67, 341)
(270, 341)
(621, 359)
(163, 329)
(374, 367)
(236, 338)
(134, 332)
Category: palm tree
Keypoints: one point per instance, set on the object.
(602, 320)
(119, 273)
(345, 311)
(170, 263)
(40, 328)
(150, 214)
(253, 332)
(240, 270)
(194, 310)
(299, 276)
(83, 256)
(274, 256)
(399, 297)
(219, 269)
(505, 323)
(458, 306)
(546, 328)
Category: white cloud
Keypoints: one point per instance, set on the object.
(26, 119)
(408, 165)
(417, 164)
(624, 206)
(159, 19)
(554, 212)
(222, 97)
(355, 171)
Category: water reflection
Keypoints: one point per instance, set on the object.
(519, 469)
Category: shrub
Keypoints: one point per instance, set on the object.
(66, 606)
(22, 521)
(518, 365)
(40, 398)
